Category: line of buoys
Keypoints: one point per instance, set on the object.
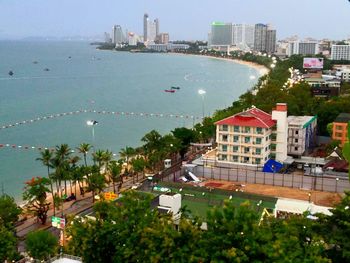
(104, 112)
(31, 147)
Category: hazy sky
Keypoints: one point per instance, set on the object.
(183, 19)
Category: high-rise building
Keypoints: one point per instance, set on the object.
(302, 48)
(145, 27)
(340, 52)
(270, 41)
(117, 35)
(243, 35)
(221, 34)
(264, 38)
(150, 29)
(163, 38)
(260, 37)
(156, 21)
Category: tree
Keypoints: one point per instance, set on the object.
(139, 165)
(8, 244)
(115, 176)
(127, 153)
(84, 148)
(9, 211)
(46, 159)
(95, 182)
(185, 136)
(41, 244)
(35, 194)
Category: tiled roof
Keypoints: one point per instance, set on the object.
(253, 117)
(343, 118)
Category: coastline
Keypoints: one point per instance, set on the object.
(260, 68)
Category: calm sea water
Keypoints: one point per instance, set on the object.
(101, 80)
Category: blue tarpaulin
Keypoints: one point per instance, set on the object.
(272, 166)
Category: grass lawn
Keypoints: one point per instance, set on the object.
(200, 199)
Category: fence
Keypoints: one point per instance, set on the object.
(308, 182)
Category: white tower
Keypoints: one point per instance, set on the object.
(279, 114)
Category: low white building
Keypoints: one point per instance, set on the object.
(340, 52)
(301, 134)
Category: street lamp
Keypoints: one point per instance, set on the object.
(202, 92)
(92, 123)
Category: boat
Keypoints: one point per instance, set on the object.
(169, 90)
(11, 73)
(46, 69)
(175, 88)
(35, 62)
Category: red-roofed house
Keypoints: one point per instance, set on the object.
(248, 136)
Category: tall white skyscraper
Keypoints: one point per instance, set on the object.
(150, 29)
(243, 35)
(117, 34)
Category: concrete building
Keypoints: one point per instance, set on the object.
(302, 48)
(340, 52)
(341, 128)
(323, 87)
(133, 39)
(117, 35)
(243, 35)
(280, 134)
(245, 137)
(271, 41)
(221, 34)
(260, 31)
(167, 47)
(163, 38)
(301, 134)
(145, 27)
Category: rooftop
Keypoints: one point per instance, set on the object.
(253, 117)
(300, 120)
(343, 118)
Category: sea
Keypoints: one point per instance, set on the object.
(56, 87)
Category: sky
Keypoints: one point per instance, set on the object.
(183, 19)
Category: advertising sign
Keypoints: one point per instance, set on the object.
(58, 222)
(313, 63)
(110, 196)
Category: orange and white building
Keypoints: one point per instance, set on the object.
(340, 128)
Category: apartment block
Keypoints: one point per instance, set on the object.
(341, 127)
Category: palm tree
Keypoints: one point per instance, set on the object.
(77, 176)
(115, 169)
(46, 157)
(96, 182)
(127, 153)
(107, 158)
(84, 148)
(138, 165)
(98, 157)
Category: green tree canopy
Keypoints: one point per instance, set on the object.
(41, 244)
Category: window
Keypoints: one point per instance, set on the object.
(247, 139)
(235, 149)
(224, 138)
(295, 148)
(296, 140)
(296, 132)
(235, 138)
(235, 158)
(267, 138)
(257, 160)
(259, 130)
(246, 149)
(258, 141)
(338, 127)
(224, 148)
(266, 149)
(224, 127)
(246, 159)
(338, 134)
(236, 128)
(258, 151)
(247, 129)
(224, 157)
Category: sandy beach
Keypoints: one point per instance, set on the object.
(260, 68)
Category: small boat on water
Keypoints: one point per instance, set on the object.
(175, 88)
(35, 62)
(11, 73)
(46, 69)
(169, 90)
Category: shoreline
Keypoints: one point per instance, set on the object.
(262, 70)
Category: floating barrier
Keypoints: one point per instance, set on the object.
(103, 112)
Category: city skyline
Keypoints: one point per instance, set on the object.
(66, 18)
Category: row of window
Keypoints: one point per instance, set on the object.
(246, 139)
(236, 159)
(257, 130)
(258, 151)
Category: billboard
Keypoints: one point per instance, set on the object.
(313, 63)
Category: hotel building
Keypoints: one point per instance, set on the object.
(340, 128)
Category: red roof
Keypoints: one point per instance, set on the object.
(253, 117)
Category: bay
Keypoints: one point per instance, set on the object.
(79, 77)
